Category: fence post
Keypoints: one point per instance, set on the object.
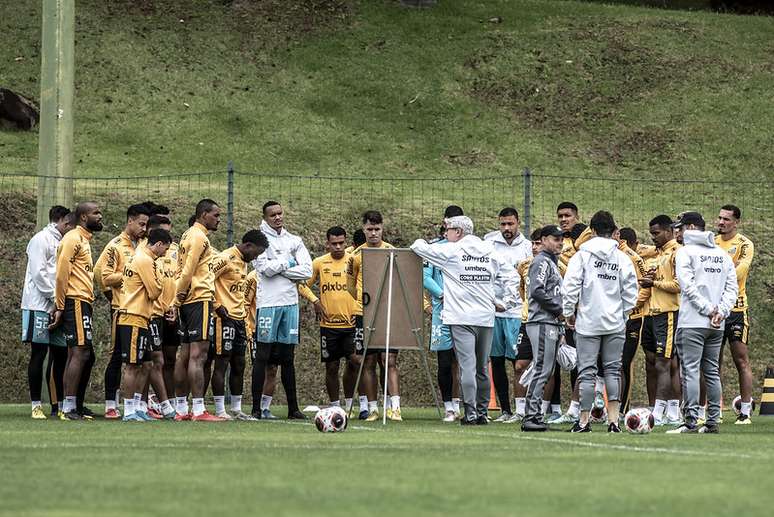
(230, 213)
(527, 175)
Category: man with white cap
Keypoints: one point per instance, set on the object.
(471, 269)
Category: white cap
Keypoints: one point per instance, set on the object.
(462, 222)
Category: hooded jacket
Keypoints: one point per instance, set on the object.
(600, 288)
(471, 269)
(544, 289)
(285, 263)
(512, 254)
(40, 277)
(707, 280)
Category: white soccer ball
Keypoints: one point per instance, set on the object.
(598, 415)
(639, 421)
(331, 420)
(737, 405)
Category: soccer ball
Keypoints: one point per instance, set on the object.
(598, 415)
(639, 421)
(737, 405)
(331, 420)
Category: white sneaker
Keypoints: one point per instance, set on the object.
(224, 416)
(515, 418)
(562, 419)
(450, 417)
(683, 429)
(238, 415)
(504, 417)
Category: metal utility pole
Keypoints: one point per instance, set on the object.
(57, 73)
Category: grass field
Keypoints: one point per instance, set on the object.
(418, 467)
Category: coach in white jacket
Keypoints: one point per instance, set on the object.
(471, 270)
(284, 264)
(37, 304)
(708, 291)
(598, 293)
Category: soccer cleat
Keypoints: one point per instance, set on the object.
(504, 417)
(363, 415)
(70, 415)
(742, 419)
(394, 415)
(563, 419)
(38, 414)
(708, 429)
(206, 417)
(482, 420)
(154, 414)
(613, 428)
(389, 413)
(244, 417)
(144, 415)
(683, 429)
(297, 415)
(86, 413)
(266, 415)
(112, 414)
(133, 417)
(182, 417)
(171, 415)
(531, 426)
(552, 416)
(449, 417)
(468, 421)
(577, 428)
(224, 416)
(515, 418)
(373, 416)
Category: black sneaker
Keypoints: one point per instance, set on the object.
(297, 415)
(86, 413)
(531, 426)
(613, 428)
(482, 420)
(468, 421)
(709, 429)
(577, 428)
(71, 415)
(256, 413)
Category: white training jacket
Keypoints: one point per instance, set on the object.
(278, 279)
(707, 280)
(471, 268)
(40, 278)
(599, 288)
(512, 254)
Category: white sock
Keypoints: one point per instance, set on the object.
(220, 404)
(128, 407)
(35, 403)
(673, 409)
(574, 410)
(181, 405)
(138, 401)
(599, 386)
(544, 406)
(236, 403)
(117, 398)
(69, 404)
(448, 406)
(703, 413)
(521, 405)
(556, 408)
(746, 408)
(198, 406)
(110, 404)
(363, 401)
(456, 403)
(659, 408)
(335, 403)
(265, 402)
(395, 402)
(373, 405)
(166, 407)
(348, 404)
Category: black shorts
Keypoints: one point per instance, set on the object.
(76, 321)
(196, 322)
(647, 341)
(230, 336)
(273, 353)
(135, 343)
(634, 330)
(663, 328)
(336, 344)
(523, 346)
(737, 328)
(163, 334)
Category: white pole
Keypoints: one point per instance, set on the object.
(387, 338)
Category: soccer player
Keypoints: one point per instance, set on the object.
(285, 263)
(141, 287)
(544, 327)
(471, 269)
(664, 303)
(37, 304)
(230, 269)
(737, 329)
(335, 310)
(74, 294)
(708, 292)
(644, 251)
(373, 227)
(111, 264)
(195, 289)
(513, 248)
(599, 291)
(358, 239)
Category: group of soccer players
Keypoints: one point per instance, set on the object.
(184, 315)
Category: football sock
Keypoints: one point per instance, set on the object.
(395, 401)
(236, 403)
(659, 408)
(110, 404)
(35, 403)
(69, 404)
(373, 405)
(746, 408)
(448, 406)
(556, 408)
(574, 410)
(335, 403)
(521, 405)
(220, 404)
(544, 406)
(128, 407)
(265, 402)
(198, 406)
(456, 403)
(363, 401)
(348, 404)
(143, 406)
(166, 407)
(673, 409)
(181, 405)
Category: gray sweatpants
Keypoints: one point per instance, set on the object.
(544, 339)
(610, 346)
(472, 345)
(700, 353)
